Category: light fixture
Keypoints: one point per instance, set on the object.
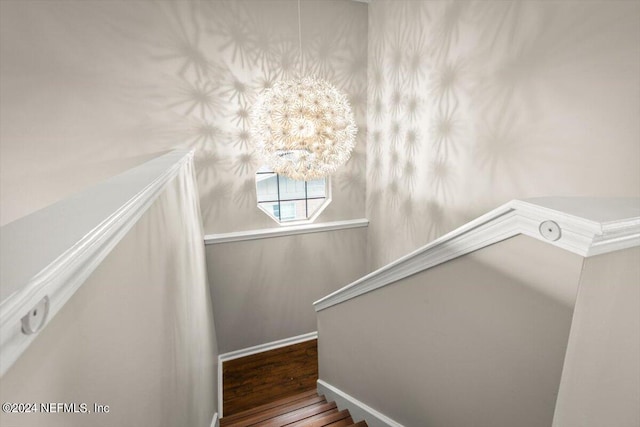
(303, 128)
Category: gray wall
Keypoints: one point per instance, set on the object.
(601, 376)
(92, 88)
(263, 290)
(474, 103)
(137, 336)
(479, 340)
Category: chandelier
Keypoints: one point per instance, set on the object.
(303, 128)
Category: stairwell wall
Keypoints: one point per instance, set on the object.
(474, 103)
(90, 89)
(138, 336)
(601, 376)
(467, 342)
(264, 290)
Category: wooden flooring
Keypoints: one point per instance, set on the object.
(266, 377)
(305, 409)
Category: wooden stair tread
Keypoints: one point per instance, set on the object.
(298, 415)
(342, 423)
(258, 379)
(324, 419)
(270, 405)
(253, 416)
(305, 409)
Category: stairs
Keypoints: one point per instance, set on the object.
(301, 410)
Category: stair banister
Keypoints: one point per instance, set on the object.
(46, 256)
(488, 315)
(586, 228)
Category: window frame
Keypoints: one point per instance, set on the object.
(280, 201)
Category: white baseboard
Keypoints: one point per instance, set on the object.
(225, 357)
(214, 421)
(267, 346)
(358, 410)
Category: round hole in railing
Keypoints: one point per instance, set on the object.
(550, 230)
(35, 318)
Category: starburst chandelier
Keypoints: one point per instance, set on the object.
(303, 128)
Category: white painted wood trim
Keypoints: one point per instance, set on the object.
(52, 252)
(580, 234)
(220, 390)
(358, 410)
(214, 421)
(265, 233)
(260, 348)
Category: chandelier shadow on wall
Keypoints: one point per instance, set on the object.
(303, 128)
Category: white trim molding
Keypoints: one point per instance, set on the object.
(265, 233)
(260, 348)
(585, 226)
(45, 257)
(358, 410)
(215, 420)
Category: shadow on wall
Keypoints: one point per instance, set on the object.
(86, 85)
(224, 54)
(472, 104)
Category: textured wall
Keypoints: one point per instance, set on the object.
(474, 103)
(90, 89)
(137, 336)
(477, 341)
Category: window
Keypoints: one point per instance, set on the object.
(289, 201)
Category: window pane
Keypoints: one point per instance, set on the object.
(271, 208)
(287, 211)
(293, 211)
(290, 189)
(316, 188)
(267, 186)
(287, 200)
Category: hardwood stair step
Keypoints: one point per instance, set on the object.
(305, 409)
(341, 423)
(266, 406)
(243, 419)
(298, 415)
(325, 419)
(257, 379)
